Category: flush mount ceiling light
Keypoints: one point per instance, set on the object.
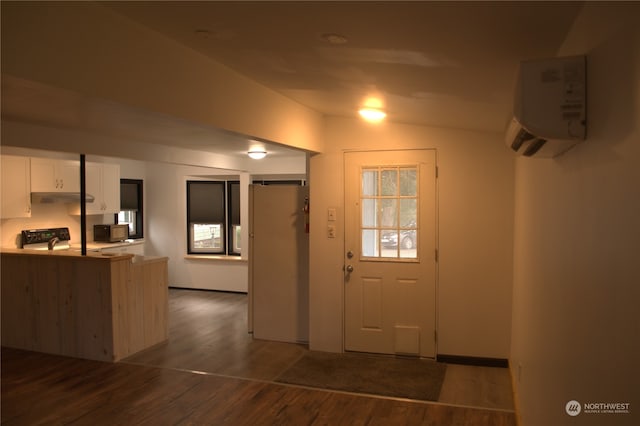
(372, 115)
(257, 154)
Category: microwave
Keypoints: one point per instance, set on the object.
(110, 233)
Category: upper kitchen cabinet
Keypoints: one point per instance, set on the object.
(108, 193)
(50, 175)
(16, 187)
(103, 183)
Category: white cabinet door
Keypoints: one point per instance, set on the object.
(16, 187)
(50, 175)
(103, 183)
(111, 188)
(69, 174)
(43, 175)
(93, 180)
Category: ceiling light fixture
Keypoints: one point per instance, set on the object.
(257, 155)
(372, 115)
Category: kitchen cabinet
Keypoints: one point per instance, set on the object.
(16, 186)
(111, 187)
(103, 183)
(51, 175)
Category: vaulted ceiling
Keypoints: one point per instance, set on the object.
(447, 63)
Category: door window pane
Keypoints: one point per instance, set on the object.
(389, 216)
(408, 212)
(369, 212)
(389, 183)
(369, 182)
(408, 182)
(370, 246)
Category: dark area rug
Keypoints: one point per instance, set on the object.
(377, 375)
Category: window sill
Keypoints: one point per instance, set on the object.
(215, 257)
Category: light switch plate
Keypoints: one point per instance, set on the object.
(331, 214)
(331, 231)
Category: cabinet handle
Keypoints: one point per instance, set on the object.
(61, 183)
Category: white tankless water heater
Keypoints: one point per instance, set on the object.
(549, 111)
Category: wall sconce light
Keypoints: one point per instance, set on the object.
(257, 155)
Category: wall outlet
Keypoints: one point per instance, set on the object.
(331, 231)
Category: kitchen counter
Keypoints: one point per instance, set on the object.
(97, 246)
(102, 306)
(71, 252)
(74, 253)
(127, 247)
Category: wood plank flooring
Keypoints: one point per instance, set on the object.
(208, 333)
(162, 386)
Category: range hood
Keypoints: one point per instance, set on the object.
(59, 197)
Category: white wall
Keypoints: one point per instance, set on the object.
(475, 204)
(166, 225)
(576, 323)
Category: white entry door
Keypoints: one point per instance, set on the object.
(390, 252)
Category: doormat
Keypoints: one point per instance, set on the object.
(371, 374)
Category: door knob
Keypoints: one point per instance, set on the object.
(349, 268)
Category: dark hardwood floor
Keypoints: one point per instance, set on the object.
(208, 333)
(187, 381)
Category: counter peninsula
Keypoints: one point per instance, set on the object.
(99, 306)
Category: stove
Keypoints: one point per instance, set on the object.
(46, 239)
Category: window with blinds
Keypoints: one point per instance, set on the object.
(213, 217)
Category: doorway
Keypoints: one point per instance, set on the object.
(390, 252)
